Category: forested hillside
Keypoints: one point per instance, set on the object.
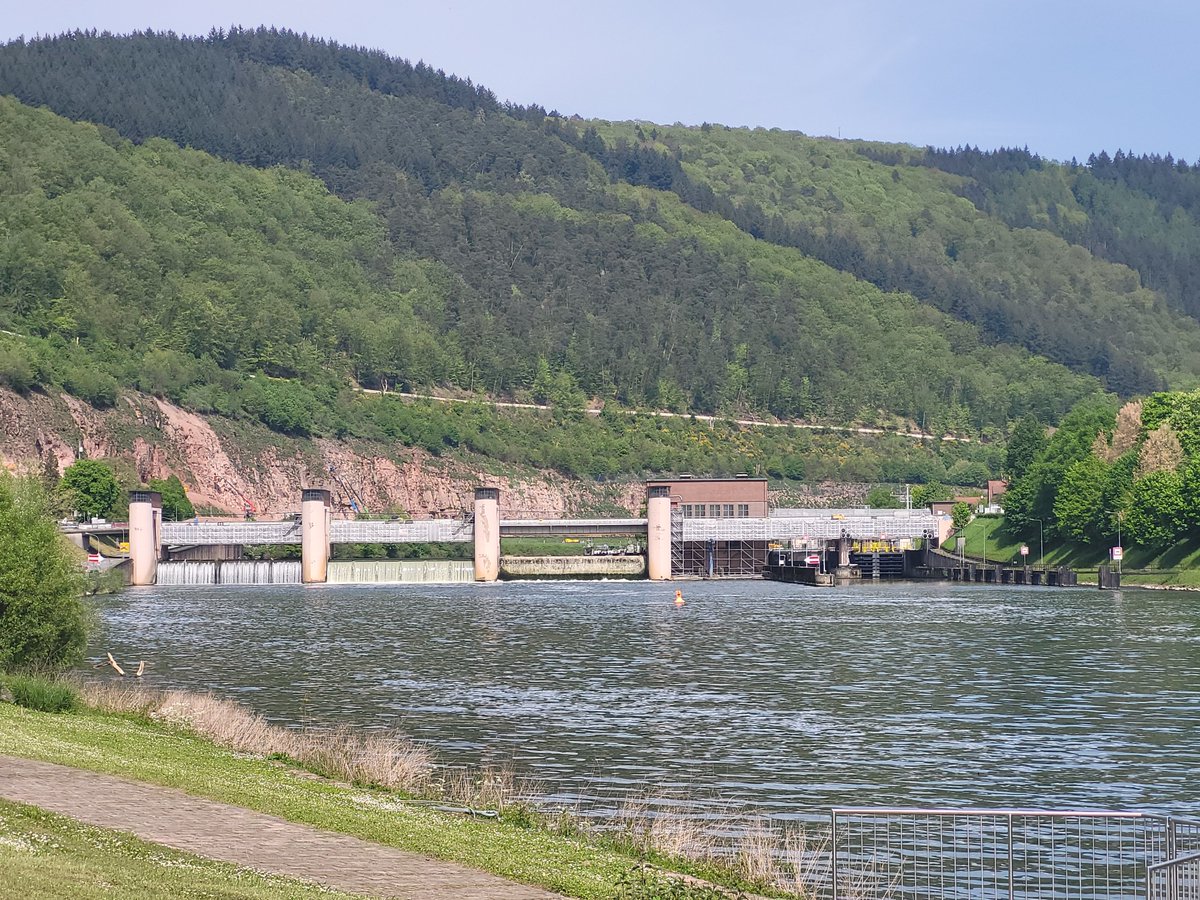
(861, 208)
(496, 249)
(1143, 211)
(628, 294)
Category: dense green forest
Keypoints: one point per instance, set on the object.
(364, 221)
(1131, 472)
(168, 269)
(861, 208)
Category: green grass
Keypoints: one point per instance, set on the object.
(41, 694)
(144, 751)
(46, 855)
(551, 546)
(1177, 566)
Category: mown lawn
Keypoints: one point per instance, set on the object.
(1177, 566)
(50, 856)
(144, 751)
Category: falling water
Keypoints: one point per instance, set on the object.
(401, 571)
(232, 571)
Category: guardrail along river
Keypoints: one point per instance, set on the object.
(785, 698)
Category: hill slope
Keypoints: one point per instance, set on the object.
(169, 269)
(361, 120)
(863, 209)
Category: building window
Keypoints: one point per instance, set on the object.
(728, 510)
(687, 510)
(743, 510)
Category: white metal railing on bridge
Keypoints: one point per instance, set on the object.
(192, 533)
(1006, 854)
(889, 524)
(419, 531)
(367, 531)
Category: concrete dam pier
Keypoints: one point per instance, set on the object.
(694, 528)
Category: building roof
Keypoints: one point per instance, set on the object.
(674, 478)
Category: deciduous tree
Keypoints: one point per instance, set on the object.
(43, 623)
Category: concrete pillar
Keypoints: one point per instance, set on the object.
(314, 535)
(145, 536)
(658, 532)
(487, 533)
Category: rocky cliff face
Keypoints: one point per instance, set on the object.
(225, 467)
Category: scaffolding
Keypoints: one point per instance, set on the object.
(815, 526)
(350, 531)
(719, 559)
(676, 542)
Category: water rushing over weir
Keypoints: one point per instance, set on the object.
(401, 571)
(229, 572)
(786, 698)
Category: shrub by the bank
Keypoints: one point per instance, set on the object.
(43, 623)
(42, 694)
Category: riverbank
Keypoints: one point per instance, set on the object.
(1176, 568)
(522, 847)
(46, 855)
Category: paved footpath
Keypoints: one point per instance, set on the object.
(247, 838)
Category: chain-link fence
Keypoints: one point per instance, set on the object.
(1009, 854)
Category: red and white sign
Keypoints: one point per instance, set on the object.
(1024, 549)
(1118, 553)
(94, 558)
(812, 560)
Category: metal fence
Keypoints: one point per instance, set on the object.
(1175, 879)
(1006, 854)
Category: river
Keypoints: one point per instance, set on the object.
(786, 699)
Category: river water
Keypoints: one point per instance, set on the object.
(783, 698)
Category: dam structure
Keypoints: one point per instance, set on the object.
(726, 537)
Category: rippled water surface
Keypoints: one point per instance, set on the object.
(789, 699)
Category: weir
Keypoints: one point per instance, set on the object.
(686, 533)
(239, 571)
(401, 571)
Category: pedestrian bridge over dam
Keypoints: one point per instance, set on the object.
(678, 543)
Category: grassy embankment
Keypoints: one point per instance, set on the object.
(518, 844)
(47, 855)
(1177, 566)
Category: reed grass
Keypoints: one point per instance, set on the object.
(381, 759)
(742, 848)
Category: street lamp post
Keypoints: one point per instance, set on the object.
(1120, 516)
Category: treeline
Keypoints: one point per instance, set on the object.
(357, 118)
(266, 97)
(1141, 210)
(1106, 473)
(241, 291)
(889, 216)
(616, 443)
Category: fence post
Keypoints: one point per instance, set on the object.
(833, 861)
(1011, 874)
(1172, 872)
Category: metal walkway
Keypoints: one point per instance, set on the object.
(813, 525)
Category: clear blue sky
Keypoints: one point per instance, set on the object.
(1065, 78)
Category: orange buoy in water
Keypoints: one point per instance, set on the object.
(678, 598)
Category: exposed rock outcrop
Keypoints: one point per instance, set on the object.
(224, 473)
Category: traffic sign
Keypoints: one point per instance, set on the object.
(1118, 553)
(812, 560)
(1024, 549)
